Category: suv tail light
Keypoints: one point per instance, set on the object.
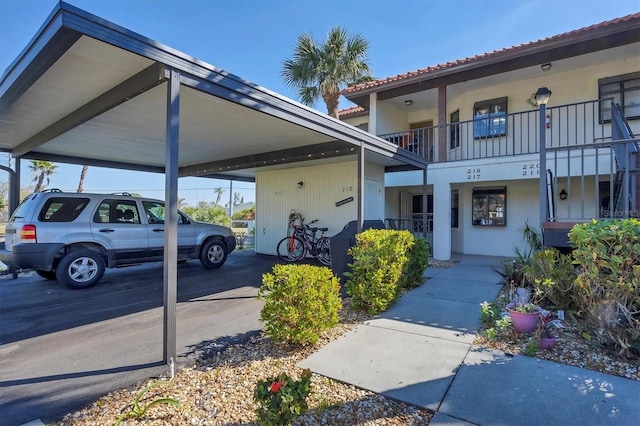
(28, 233)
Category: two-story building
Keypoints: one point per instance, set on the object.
(478, 122)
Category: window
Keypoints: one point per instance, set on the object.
(62, 209)
(490, 118)
(454, 131)
(117, 211)
(454, 208)
(489, 206)
(155, 213)
(625, 91)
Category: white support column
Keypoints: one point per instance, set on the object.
(373, 113)
(441, 220)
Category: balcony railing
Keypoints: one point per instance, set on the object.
(504, 135)
(416, 225)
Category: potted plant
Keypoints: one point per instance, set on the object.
(524, 317)
(547, 339)
(545, 333)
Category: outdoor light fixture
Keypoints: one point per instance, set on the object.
(300, 184)
(563, 194)
(546, 67)
(408, 102)
(542, 96)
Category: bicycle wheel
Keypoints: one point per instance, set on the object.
(290, 249)
(323, 252)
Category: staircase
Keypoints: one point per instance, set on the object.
(622, 155)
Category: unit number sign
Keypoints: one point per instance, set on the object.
(530, 169)
(473, 174)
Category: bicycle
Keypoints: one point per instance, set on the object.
(304, 241)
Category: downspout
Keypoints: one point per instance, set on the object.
(360, 188)
(425, 204)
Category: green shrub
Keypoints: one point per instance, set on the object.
(379, 258)
(412, 276)
(608, 282)
(301, 302)
(282, 399)
(552, 275)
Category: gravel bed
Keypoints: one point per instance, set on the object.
(219, 390)
(570, 349)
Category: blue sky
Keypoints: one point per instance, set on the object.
(251, 38)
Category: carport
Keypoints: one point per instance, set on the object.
(87, 91)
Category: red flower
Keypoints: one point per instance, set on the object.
(275, 386)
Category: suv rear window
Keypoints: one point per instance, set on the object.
(62, 209)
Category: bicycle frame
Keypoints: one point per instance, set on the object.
(312, 243)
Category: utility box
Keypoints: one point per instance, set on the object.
(345, 239)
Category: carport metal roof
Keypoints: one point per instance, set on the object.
(87, 91)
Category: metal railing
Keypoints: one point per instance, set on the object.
(416, 225)
(419, 141)
(503, 135)
(599, 179)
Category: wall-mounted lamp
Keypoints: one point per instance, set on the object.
(542, 96)
(300, 184)
(408, 102)
(546, 67)
(563, 194)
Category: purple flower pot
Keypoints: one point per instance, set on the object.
(547, 342)
(524, 322)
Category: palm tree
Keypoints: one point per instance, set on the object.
(323, 70)
(41, 170)
(218, 192)
(83, 174)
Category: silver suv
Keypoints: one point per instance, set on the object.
(73, 237)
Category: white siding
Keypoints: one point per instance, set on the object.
(277, 193)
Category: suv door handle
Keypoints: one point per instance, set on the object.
(158, 230)
(107, 230)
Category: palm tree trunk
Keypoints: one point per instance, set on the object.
(83, 174)
(39, 182)
(332, 101)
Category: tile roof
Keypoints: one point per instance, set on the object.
(496, 53)
(350, 111)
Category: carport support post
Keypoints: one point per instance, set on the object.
(170, 273)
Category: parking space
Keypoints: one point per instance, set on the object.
(62, 348)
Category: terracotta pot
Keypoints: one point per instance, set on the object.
(523, 322)
(547, 342)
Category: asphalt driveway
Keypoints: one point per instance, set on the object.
(61, 349)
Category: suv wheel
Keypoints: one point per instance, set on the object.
(213, 254)
(80, 269)
(50, 275)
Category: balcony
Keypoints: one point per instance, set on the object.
(505, 135)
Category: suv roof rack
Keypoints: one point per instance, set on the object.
(125, 194)
(52, 190)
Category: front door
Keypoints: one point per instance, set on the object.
(373, 200)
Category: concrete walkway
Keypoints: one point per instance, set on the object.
(421, 352)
